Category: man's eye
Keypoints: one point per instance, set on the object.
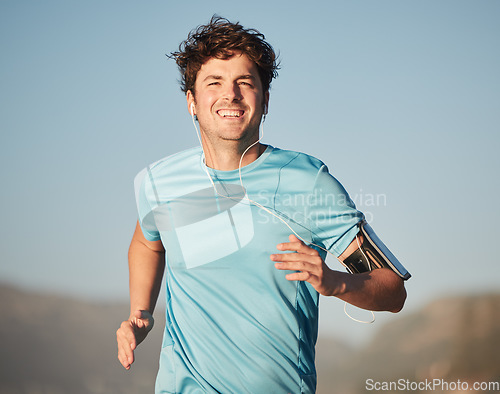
(213, 83)
(245, 83)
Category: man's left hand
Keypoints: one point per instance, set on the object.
(309, 264)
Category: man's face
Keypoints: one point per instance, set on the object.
(229, 101)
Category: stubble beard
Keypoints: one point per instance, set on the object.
(222, 138)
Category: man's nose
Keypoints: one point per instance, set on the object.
(232, 92)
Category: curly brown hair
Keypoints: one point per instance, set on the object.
(219, 39)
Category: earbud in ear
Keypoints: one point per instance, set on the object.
(265, 109)
(192, 109)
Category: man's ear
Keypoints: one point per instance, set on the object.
(190, 103)
(266, 102)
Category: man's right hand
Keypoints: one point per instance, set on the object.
(131, 333)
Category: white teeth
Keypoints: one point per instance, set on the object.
(230, 113)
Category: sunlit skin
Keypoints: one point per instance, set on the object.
(377, 290)
(229, 103)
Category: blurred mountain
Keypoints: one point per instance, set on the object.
(52, 345)
(451, 339)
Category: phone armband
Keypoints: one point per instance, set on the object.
(372, 253)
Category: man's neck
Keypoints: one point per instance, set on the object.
(229, 159)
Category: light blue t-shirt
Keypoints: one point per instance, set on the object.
(234, 323)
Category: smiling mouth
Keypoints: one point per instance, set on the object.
(230, 113)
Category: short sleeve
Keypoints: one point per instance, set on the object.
(144, 193)
(333, 213)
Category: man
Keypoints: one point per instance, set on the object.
(245, 228)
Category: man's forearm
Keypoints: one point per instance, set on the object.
(146, 268)
(377, 290)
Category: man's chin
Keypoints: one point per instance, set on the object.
(238, 135)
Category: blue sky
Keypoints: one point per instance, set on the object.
(400, 98)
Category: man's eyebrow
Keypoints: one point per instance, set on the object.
(219, 77)
(247, 76)
(212, 77)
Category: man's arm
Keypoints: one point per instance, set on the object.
(377, 290)
(146, 266)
